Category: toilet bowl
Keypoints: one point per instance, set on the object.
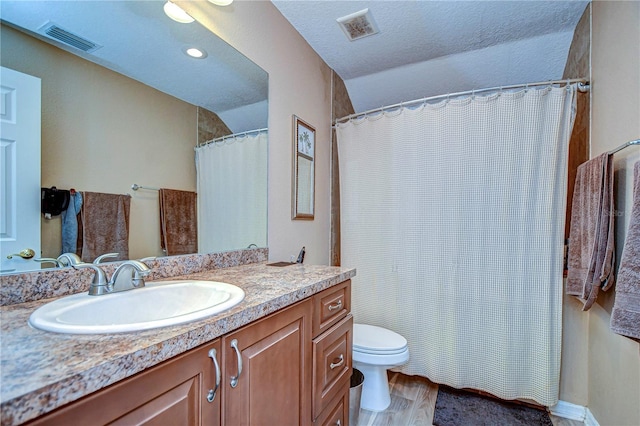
(375, 350)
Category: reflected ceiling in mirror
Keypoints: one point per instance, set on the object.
(89, 146)
(138, 40)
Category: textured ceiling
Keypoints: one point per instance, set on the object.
(433, 47)
(424, 47)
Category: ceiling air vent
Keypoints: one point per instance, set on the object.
(358, 25)
(55, 32)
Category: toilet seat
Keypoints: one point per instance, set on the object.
(375, 350)
(369, 339)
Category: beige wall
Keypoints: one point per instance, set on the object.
(574, 367)
(102, 132)
(614, 360)
(300, 84)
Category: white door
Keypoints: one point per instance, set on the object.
(20, 169)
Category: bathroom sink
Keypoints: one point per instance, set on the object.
(158, 304)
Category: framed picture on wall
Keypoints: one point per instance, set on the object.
(303, 189)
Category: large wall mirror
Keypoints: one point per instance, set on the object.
(132, 108)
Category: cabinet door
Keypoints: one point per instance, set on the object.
(176, 392)
(267, 370)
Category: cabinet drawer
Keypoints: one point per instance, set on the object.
(330, 306)
(337, 412)
(331, 364)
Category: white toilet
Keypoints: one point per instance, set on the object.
(376, 349)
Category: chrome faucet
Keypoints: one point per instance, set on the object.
(129, 275)
(121, 280)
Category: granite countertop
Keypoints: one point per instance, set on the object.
(41, 371)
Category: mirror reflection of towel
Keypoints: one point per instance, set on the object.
(178, 222)
(104, 225)
(70, 224)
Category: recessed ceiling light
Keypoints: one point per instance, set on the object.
(195, 52)
(221, 2)
(176, 13)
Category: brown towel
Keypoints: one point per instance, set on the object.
(178, 222)
(104, 225)
(591, 236)
(625, 317)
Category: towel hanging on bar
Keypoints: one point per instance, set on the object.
(625, 316)
(591, 236)
(178, 221)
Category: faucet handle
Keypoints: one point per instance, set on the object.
(102, 257)
(148, 259)
(99, 284)
(49, 260)
(141, 270)
(69, 259)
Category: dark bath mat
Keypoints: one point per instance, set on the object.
(460, 408)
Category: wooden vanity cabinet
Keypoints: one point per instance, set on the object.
(289, 368)
(332, 355)
(175, 392)
(296, 364)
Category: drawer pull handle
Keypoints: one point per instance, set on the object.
(338, 423)
(336, 306)
(340, 360)
(212, 392)
(234, 379)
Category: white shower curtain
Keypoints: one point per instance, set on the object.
(453, 215)
(232, 193)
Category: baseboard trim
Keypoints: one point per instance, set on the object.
(570, 411)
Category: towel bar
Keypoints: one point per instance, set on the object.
(624, 145)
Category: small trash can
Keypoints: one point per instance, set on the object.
(355, 394)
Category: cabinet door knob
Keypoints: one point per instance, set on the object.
(212, 392)
(337, 362)
(234, 379)
(336, 306)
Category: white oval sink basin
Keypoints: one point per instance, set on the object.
(157, 304)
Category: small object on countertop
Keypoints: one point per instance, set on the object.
(280, 264)
(301, 256)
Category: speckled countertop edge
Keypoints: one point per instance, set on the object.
(41, 371)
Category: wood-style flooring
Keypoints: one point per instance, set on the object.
(413, 402)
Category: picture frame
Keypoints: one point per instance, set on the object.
(303, 187)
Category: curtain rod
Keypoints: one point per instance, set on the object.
(235, 135)
(624, 145)
(583, 86)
